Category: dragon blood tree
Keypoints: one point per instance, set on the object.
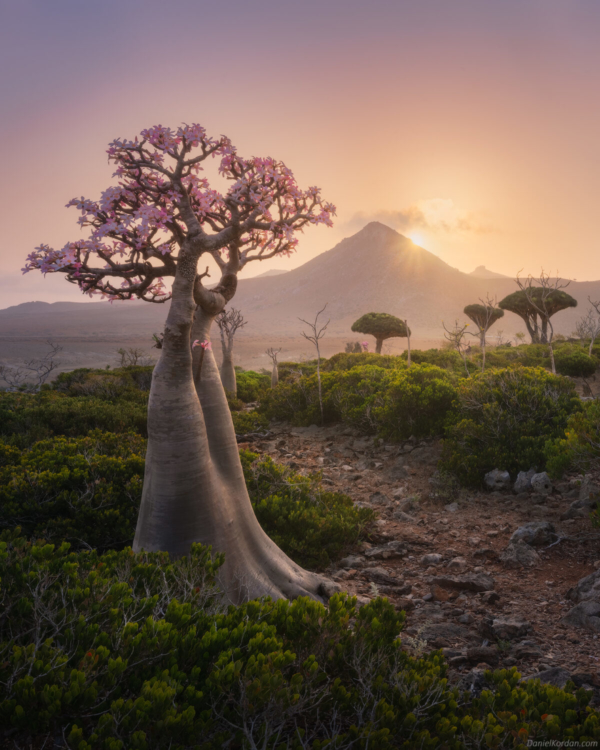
(382, 326)
(484, 316)
(158, 221)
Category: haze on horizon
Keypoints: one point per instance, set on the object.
(470, 127)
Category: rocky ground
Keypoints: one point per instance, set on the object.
(449, 562)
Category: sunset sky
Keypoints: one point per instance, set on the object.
(471, 126)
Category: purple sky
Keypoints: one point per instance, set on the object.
(470, 126)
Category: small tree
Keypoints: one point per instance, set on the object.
(594, 324)
(272, 354)
(314, 335)
(382, 326)
(484, 315)
(536, 302)
(353, 347)
(33, 373)
(456, 337)
(229, 322)
(133, 358)
(407, 342)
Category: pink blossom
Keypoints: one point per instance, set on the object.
(204, 344)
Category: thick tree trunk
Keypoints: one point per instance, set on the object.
(172, 513)
(378, 345)
(274, 376)
(254, 565)
(228, 372)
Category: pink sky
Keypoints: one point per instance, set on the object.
(471, 126)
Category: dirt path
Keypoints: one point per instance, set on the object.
(434, 537)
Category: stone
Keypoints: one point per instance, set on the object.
(387, 551)
(352, 561)
(405, 604)
(527, 650)
(586, 588)
(556, 676)
(457, 563)
(535, 533)
(328, 588)
(509, 628)
(490, 597)
(589, 495)
(444, 633)
(519, 555)
(541, 483)
(433, 558)
(466, 619)
(497, 480)
(381, 575)
(396, 590)
(474, 541)
(468, 582)
(585, 615)
(439, 594)
(451, 507)
(400, 515)
(523, 481)
(378, 498)
(488, 654)
(486, 552)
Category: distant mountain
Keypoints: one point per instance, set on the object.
(374, 270)
(481, 272)
(272, 272)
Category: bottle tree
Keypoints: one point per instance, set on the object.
(382, 326)
(157, 222)
(229, 322)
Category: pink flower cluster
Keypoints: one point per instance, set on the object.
(138, 224)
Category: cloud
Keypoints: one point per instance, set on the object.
(434, 214)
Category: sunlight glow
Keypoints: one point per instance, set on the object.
(416, 238)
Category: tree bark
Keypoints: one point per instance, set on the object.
(194, 487)
(228, 377)
(254, 565)
(274, 376)
(378, 345)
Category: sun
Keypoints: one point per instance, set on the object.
(416, 238)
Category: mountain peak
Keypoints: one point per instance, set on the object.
(481, 272)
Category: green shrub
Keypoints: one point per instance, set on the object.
(347, 361)
(121, 383)
(251, 385)
(249, 421)
(127, 650)
(447, 359)
(26, 418)
(415, 402)
(503, 419)
(83, 490)
(574, 361)
(312, 526)
(579, 447)
(394, 403)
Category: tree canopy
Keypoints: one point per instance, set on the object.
(484, 317)
(382, 326)
(536, 305)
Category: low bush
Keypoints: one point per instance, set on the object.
(249, 421)
(347, 361)
(579, 448)
(575, 362)
(312, 526)
(25, 418)
(394, 403)
(83, 490)
(503, 419)
(123, 382)
(447, 359)
(251, 385)
(121, 650)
